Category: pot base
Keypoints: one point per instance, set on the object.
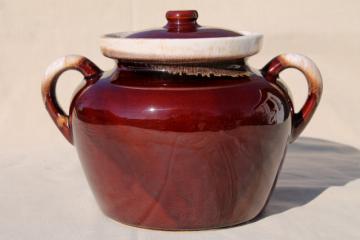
(178, 229)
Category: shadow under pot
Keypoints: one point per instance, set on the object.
(182, 134)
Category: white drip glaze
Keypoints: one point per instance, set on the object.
(188, 49)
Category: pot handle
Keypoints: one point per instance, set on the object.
(312, 74)
(53, 72)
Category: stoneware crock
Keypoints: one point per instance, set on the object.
(182, 134)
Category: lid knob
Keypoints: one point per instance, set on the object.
(182, 21)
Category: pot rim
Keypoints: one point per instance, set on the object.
(117, 46)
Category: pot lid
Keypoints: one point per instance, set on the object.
(181, 39)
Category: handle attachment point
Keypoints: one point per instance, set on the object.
(53, 72)
(312, 74)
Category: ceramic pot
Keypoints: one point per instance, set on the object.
(182, 134)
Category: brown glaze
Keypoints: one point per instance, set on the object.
(182, 146)
(183, 24)
(172, 152)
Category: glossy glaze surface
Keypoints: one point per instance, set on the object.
(181, 152)
(182, 134)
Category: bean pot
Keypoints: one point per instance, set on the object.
(182, 134)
